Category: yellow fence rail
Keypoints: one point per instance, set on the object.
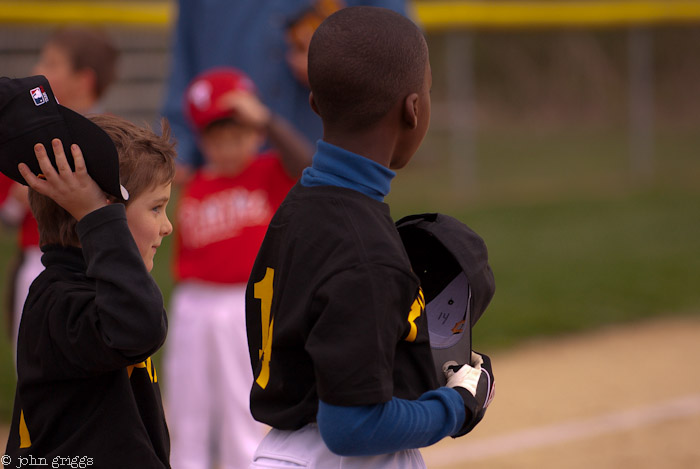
(440, 15)
(433, 15)
(91, 12)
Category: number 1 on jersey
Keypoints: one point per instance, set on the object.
(263, 292)
(417, 308)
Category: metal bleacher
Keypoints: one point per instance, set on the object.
(144, 45)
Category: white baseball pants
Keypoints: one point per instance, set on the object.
(304, 448)
(208, 379)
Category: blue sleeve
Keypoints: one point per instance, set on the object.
(392, 426)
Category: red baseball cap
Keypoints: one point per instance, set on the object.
(203, 93)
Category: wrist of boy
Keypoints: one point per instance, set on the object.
(79, 214)
(472, 410)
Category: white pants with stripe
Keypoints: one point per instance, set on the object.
(208, 379)
(304, 448)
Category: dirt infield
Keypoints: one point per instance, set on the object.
(625, 396)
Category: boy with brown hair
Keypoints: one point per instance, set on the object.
(87, 390)
(337, 331)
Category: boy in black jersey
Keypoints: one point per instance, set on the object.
(87, 390)
(337, 334)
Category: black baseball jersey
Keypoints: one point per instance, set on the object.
(333, 310)
(87, 387)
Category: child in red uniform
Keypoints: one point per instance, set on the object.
(221, 219)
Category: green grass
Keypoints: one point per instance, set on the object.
(7, 370)
(576, 239)
(574, 265)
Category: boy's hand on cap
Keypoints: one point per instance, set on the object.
(475, 383)
(246, 108)
(75, 191)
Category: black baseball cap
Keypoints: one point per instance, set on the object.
(451, 261)
(30, 114)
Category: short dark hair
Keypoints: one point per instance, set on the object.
(146, 160)
(91, 48)
(361, 61)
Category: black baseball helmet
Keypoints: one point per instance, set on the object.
(451, 261)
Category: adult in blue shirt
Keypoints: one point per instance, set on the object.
(249, 35)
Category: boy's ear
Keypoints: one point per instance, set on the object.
(410, 110)
(313, 103)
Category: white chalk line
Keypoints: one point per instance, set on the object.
(483, 448)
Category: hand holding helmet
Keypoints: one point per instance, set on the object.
(475, 383)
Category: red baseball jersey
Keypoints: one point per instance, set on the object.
(222, 220)
(5, 185)
(29, 231)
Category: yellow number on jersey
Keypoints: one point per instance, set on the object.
(263, 292)
(417, 309)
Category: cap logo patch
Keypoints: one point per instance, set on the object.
(200, 94)
(39, 95)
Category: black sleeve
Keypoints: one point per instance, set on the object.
(123, 320)
(363, 315)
